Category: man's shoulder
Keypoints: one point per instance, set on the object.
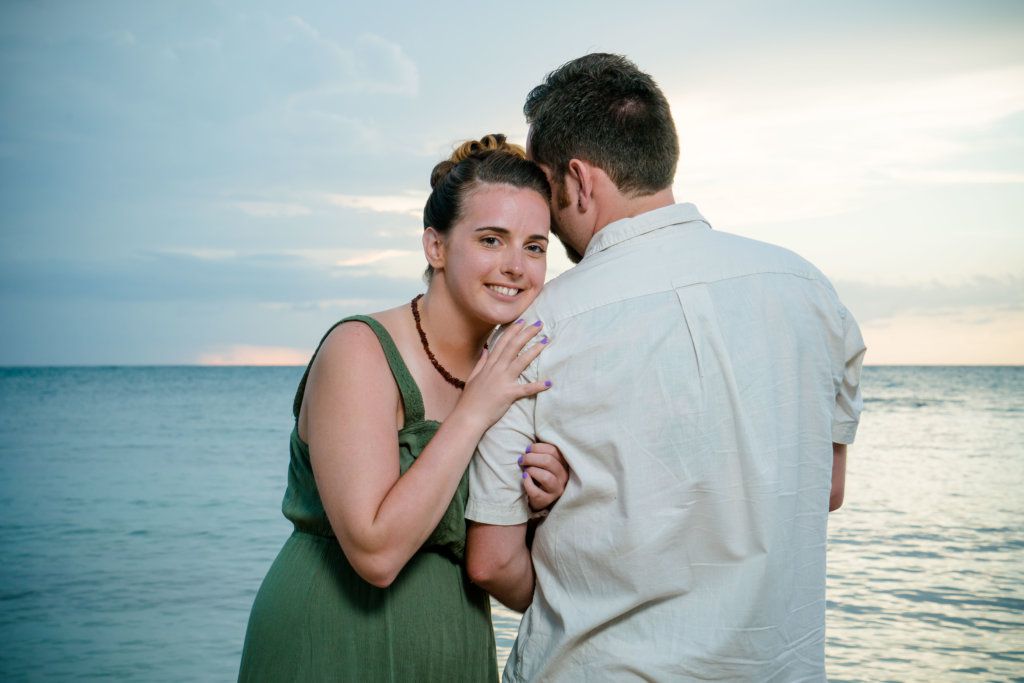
(766, 257)
(762, 249)
(556, 291)
(668, 262)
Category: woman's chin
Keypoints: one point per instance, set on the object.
(520, 307)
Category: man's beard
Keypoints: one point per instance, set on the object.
(562, 197)
(573, 255)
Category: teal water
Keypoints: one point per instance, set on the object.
(140, 509)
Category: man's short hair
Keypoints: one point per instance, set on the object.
(602, 109)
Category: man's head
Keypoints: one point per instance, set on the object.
(602, 110)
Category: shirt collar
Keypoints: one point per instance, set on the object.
(628, 228)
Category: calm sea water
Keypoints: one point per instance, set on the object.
(140, 509)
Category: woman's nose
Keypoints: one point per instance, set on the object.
(513, 264)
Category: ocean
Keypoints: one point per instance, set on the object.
(141, 508)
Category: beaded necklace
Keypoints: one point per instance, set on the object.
(448, 377)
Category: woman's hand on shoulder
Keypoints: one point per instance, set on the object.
(494, 384)
(545, 474)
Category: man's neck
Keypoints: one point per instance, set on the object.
(630, 207)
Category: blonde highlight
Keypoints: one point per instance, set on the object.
(473, 149)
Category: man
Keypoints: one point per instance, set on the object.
(705, 388)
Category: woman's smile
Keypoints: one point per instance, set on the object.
(505, 291)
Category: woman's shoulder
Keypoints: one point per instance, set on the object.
(358, 329)
(350, 362)
(351, 337)
(356, 339)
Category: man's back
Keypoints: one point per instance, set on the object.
(696, 382)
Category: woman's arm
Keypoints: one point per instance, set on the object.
(380, 518)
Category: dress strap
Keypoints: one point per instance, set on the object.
(412, 400)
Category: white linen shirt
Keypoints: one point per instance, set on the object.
(699, 380)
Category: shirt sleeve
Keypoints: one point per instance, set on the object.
(496, 494)
(849, 403)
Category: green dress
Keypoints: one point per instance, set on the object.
(315, 619)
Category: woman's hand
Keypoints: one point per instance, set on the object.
(494, 384)
(545, 474)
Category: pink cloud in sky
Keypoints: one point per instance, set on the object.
(241, 354)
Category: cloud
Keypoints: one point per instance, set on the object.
(168, 102)
(201, 276)
(408, 203)
(978, 336)
(272, 209)
(398, 214)
(872, 302)
(241, 354)
(373, 256)
(395, 263)
(773, 156)
(204, 254)
(329, 305)
(123, 38)
(964, 177)
(372, 65)
(383, 67)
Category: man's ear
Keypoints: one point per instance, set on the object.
(433, 248)
(581, 178)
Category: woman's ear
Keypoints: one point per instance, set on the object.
(433, 248)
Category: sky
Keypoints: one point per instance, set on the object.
(216, 183)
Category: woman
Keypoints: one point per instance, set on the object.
(370, 586)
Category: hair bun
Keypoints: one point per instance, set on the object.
(440, 171)
(494, 142)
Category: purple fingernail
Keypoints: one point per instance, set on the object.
(525, 475)
(537, 324)
(520, 460)
(547, 383)
(529, 448)
(520, 321)
(544, 340)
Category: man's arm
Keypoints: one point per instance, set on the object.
(849, 405)
(498, 561)
(835, 500)
(497, 557)
(497, 512)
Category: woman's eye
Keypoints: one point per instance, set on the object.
(490, 241)
(536, 248)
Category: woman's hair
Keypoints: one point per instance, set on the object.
(489, 160)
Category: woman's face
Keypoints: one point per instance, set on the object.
(495, 256)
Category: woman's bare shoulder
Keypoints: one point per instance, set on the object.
(394, 319)
(350, 366)
(355, 337)
(352, 347)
